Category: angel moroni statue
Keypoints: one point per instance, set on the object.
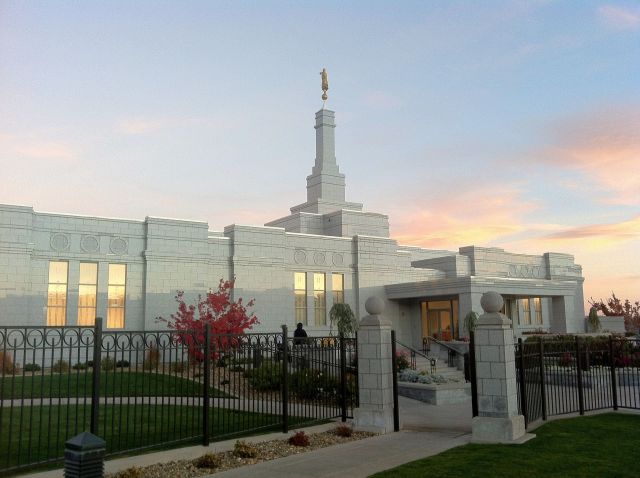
(325, 84)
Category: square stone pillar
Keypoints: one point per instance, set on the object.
(375, 375)
(498, 420)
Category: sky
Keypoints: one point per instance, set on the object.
(512, 124)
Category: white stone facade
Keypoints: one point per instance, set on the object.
(325, 235)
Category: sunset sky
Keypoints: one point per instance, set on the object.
(513, 124)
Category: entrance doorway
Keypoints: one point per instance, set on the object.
(439, 319)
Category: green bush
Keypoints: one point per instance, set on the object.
(32, 367)
(122, 364)
(61, 366)
(308, 384)
(266, 377)
(108, 364)
(80, 366)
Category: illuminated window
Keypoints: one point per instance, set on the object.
(538, 309)
(319, 299)
(116, 295)
(300, 290)
(526, 312)
(87, 291)
(57, 293)
(337, 284)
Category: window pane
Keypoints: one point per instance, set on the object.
(57, 296)
(115, 296)
(337, 282)
(318, 281)
(115, 318)
(58, 272)
(86, 316)
(56, 316)
(300, 281)
(88, 273)
(86, 296)
(117, 274)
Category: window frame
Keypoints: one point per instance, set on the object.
(300, 312)
(66, 294)
(111, 284)
(82, 284)
(320, 300)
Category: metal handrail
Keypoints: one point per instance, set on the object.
(451, 351)
(414, 352)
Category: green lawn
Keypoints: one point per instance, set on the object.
(40, 432)
(600, 446)
(119, 383)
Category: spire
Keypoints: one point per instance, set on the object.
(325, 181)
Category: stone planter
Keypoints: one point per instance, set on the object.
(444, 394)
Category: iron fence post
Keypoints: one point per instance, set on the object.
(95, 378)
(343, 378)
(523, 386)
(206, 386)
(394, 369)
(614, 384)
(579, 371)
(472, 374)
(543, 387)
(285, 379)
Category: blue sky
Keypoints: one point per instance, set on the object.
(511, 124)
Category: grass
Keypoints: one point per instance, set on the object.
(118, 384)
(40, 432)
(600, 445)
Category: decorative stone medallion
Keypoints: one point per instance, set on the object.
(337, 259)
(59, 241)
(300, 257)
(319, 258)
(525, 271)
(89, 244)
(118, 245)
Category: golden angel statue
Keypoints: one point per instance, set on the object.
(325, 83)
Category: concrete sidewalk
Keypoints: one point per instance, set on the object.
(426, 430)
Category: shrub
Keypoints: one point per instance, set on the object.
(122, 364)
(344, 318)
(152, 358)
(209, 460)
(32, 367)
(177, 367)
(312, 383)
(108, 364)
(61, 366)
(242, 449)
(79, 366)
(7, 367)
(299, 439)
(566, 359)
(402, 361)
(470, 321)
(266, 377)
(343, 430)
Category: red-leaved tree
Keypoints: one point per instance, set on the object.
(616, 307)
(229, 319)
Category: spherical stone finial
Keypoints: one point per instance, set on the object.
(374, 305)
(491, 302)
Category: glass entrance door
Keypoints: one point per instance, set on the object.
(438, 319)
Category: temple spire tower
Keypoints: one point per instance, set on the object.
(325, 182)
(326, 212)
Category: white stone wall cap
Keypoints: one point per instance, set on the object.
(495, 318)
(491, 302)
(374, 305)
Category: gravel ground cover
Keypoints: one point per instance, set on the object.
(269, 450)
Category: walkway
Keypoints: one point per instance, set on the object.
(426, 430)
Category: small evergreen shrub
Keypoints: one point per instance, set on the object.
(299, 439)
(108, 364)
(79, 366)
(242, 449)
(209, 460)
(266, 377)
(307, 384)
(61, 366)
(122, 364)
(32, 367)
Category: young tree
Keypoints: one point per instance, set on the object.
(616, 307)
(229, 319)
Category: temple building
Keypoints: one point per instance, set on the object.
(61, 269)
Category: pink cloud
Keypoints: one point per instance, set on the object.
(620, 18)
(140, 125)
(604, 145)
(33, 148)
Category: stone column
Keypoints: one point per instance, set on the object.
(498, 420)
(375, 379)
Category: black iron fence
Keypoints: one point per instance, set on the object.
(573, 375)
(145, 389)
